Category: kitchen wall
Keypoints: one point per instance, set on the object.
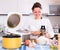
(7, 6)
(24, 6)
(55, 20)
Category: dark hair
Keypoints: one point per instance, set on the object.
(37, 4)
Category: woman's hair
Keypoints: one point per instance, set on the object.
(37, 4)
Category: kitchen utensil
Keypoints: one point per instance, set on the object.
(13, 21)
(11, 41)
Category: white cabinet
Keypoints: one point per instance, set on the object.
(7, 6)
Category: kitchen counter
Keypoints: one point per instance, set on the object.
(23, 47)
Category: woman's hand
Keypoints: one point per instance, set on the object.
(35, 33)
(26, 42)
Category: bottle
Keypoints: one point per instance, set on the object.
(43, 30)
(56, 28)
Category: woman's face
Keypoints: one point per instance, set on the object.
(37, 12)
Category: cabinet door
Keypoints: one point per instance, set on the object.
(7, 6)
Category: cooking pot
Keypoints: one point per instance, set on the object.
(11, 41)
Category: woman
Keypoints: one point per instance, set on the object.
(39, 21)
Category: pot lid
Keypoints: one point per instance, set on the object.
(13, 21)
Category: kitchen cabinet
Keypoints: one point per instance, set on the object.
(7, 6)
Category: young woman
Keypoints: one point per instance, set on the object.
(39, 21)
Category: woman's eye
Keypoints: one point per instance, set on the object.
(35, 12)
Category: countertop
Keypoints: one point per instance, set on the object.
(23, 47)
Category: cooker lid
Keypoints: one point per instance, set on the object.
(13, 21)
